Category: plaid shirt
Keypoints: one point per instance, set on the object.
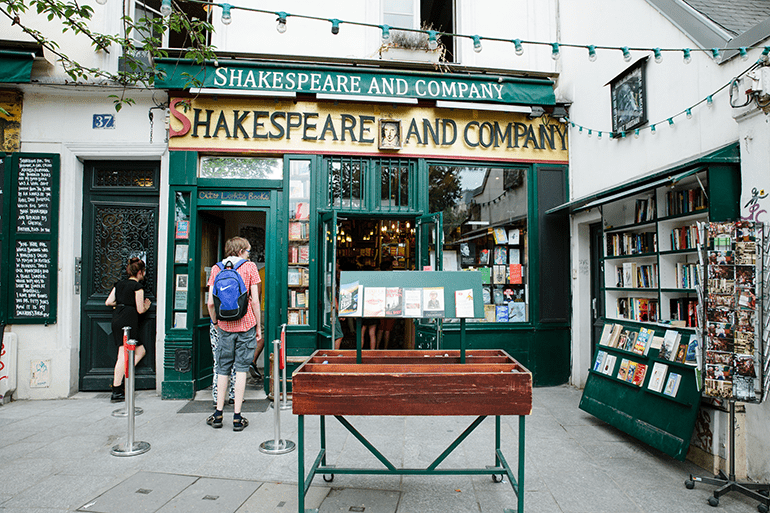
(250, 275)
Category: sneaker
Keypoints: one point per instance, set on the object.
(118, 394)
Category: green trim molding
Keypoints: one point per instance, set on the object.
(288, 79)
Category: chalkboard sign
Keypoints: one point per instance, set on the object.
(32, 279)
(34, 184)
(29, 234)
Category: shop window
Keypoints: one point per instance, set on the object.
(485, 229)
(241, 168)
(299, 243)
(346, 182)
(395, 177)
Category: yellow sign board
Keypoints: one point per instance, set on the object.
(285, 126)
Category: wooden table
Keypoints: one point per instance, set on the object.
(406, 383)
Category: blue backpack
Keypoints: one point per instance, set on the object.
(231, 296)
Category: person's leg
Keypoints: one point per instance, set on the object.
(245, 346)
(139, 353)
(214, 337)
(338, 343)
(386, 339)
(372, 337)
(222, 382)
(120, 368)
(240, 390)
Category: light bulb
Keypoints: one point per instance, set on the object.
(335, 26)
(687, 56)
(636, 134)
(589, 132)
(281, 27)
(432, 42)
(518, 47)
(598, 135)
(623, 134)
(476, 44)
(744, 53)
(658, 55)
(226, 17)
(688, 113)
(165, 8)
(626, 54)
(709, 101)
(592, 53)
(101, 2)
(555, 51)
(385, 33)
(715, 55)
(670, 121)
(652, 130)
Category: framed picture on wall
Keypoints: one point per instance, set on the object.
(628, 97)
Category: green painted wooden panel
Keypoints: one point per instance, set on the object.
(660, 421)
(724, 192)
(182, 167)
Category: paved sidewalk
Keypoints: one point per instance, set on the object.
(55, 457)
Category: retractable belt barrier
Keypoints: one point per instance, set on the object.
(277, 445)
(130, 448)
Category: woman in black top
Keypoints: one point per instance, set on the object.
(127, 299)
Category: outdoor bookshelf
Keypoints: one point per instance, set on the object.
(663, 419)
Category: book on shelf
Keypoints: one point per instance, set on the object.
(693, 351)
(298, 230)
(642, 344)
(670, 345)
(302, 211)
(682, 202)
(498, 274)
(303, 254)
(658, 376)
(394, 302)
(623, 339)
(374, 302)
(514, 256)
(623, 370)
(517, 311)
(685, 237)
(606, 332)
(489, 313)
(294, 277)
(464, 303)
(486, 275)
(500, 236)
(497, 296)
(630, 371)
(672, 384)
(615, 335)
(483, 257)
(599, 361)
(350, 299)
(609, 364)
(513, 236)
(620, 244)
(501, 313)
(639, 374)
(412, 302)
(500, 255)
(515, 274)
(645, 210)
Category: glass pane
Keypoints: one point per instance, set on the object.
(299, 243)
(346, 183)
(485, 229)
(241, 167)
(394, 189)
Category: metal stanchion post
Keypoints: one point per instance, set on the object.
(130, 448)
(122, 412)
(276, 446)
(285, 403)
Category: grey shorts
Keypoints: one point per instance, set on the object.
(235, 349)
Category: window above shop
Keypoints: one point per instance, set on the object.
(426, 14)
(259, 168)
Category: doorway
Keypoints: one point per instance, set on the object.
(216, 227)
(120, 221)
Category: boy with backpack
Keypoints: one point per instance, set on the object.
(233, 305)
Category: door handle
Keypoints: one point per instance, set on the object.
(78, 272)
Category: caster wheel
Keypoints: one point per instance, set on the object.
(496, 478)
(689, 484)
(713, 501)
(329, 478)
(762, 508)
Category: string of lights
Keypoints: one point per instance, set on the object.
(519, 46)
(433, 36)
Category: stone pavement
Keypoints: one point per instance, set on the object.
(55, 457)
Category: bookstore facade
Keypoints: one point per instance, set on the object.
(398, 178)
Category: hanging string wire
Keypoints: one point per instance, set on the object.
(657, 52)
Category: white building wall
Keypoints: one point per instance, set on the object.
(59, 120)
(596, 164)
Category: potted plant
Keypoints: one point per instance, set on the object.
(412, 46)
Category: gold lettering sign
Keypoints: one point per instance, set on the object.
(203, 124)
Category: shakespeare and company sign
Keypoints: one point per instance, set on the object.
(207, 124)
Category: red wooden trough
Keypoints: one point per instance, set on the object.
(491, 382)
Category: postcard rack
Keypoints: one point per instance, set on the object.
(734, 320)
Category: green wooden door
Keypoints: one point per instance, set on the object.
(327, 270)
(120, 221)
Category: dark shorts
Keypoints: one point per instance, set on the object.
(235, 350)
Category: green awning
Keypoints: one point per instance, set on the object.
(726, 154)
(15, 66)
(265, 78)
